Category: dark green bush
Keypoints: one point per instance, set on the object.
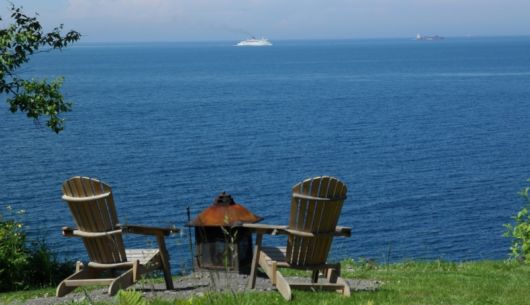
(23, 264)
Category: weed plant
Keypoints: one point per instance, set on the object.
(519, 232)
(25, 264)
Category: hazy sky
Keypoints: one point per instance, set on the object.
(184, 20)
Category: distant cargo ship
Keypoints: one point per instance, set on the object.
(425, 37)
(254, 42)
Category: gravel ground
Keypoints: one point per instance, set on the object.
(194, 284)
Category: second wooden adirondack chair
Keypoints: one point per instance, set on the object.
(315, 209)
(92, 207)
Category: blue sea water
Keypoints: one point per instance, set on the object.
(432, 138)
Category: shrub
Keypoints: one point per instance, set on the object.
(13, 253)
(23, 264)
(44, 269)
(520, 231)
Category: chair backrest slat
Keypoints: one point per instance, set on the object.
(95, 215)
(316, 211)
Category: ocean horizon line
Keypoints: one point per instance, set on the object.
(235, 40)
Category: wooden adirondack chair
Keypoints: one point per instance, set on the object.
(315, 208)
(92, 207)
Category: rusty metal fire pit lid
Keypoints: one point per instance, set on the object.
(224, 211)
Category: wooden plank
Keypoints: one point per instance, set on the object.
(110, 210)
(283, 230)
(309, 223)
(80, 187)
(292, 218)
(147, 230)
(294, 205)
(106, 209)
(314, 276)
(255, 261)
(121, 282)
(84, 224)
(265, 264)
(95, 234)
(315, 243)
(320, 206)
(309, 197)
(328, 219)
(274, 271)
(87, 186)
(107, 249)
(275, 253)
(338, 210)
(144, 255)
(123, 265)
(316, 286)
(98, 245)
(333, 273)
(164, 260)
(85, 198)
(283, 286)
(264, 228)
(105, 223)
(135, 270)
(345, 287)
(86, 282)
(75, 186)
(63, 289)
(293, 253)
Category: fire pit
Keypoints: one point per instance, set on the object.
(219, 245)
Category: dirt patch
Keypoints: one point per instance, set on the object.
(197, 283)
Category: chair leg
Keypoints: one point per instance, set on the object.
(332, 273)
(63, 290)
(314, 276)
(121, 282)
(164, 260)
(333, 277)
(255, 261)
(136, 271)
(346, 287)
(81, 273)
(283, 286)
(78, 266)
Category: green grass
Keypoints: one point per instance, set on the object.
(480, 283)
(407, 283)
(20, 296)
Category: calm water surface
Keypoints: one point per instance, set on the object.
(432, 138)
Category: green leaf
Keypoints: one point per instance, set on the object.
(130, 297)
(18, 41)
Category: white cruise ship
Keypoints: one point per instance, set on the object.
(254, 42)
(425, 37)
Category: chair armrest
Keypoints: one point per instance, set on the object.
(146, 230)
(264, 228)
(159, 234)
(284, 230)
